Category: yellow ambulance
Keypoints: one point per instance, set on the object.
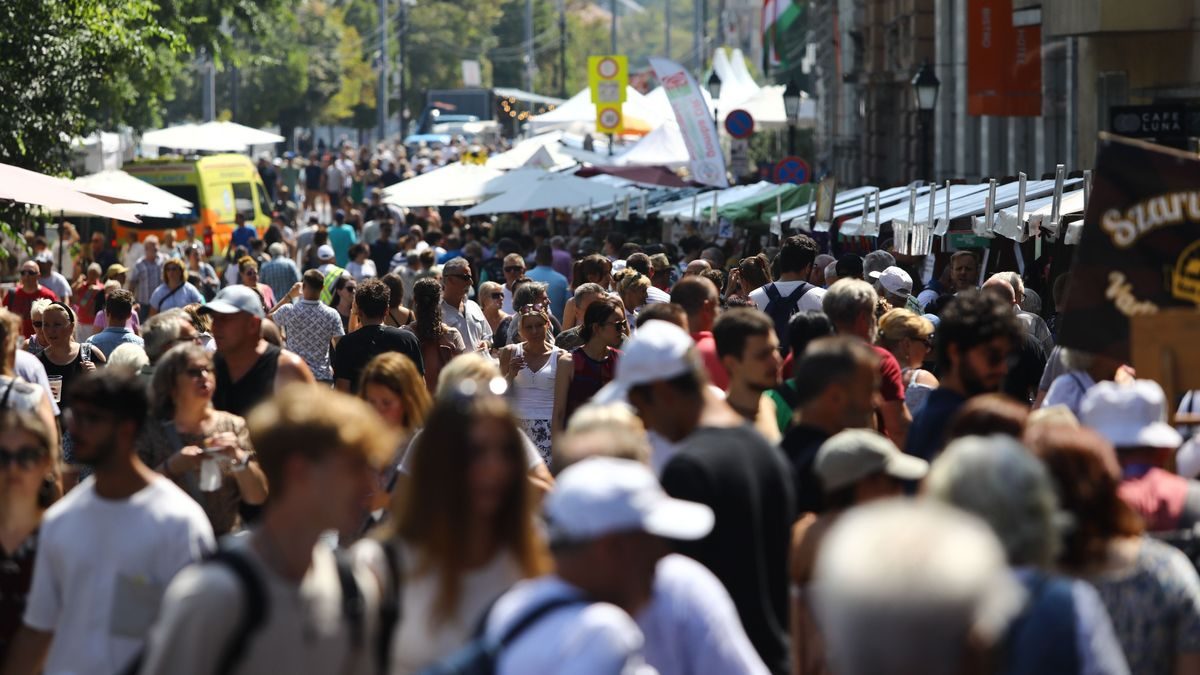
(219, 187)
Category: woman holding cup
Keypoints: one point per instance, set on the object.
(204, 450)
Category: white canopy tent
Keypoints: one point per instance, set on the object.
(536, 150)
(580, 113)
(210, 137)
(142, 198)
(899, 205)
(796, 216)
(55, 195)
(662, 147)
(684, 209)
(450, 185)
(553, 191)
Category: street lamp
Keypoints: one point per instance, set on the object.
(714, 92)
(791, 107)
(925, 91)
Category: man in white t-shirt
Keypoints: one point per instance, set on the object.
(108, 549)
(796, 257)
(320, 462)
(604, 519)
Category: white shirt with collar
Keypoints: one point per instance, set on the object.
(579, 639)
(470, 322)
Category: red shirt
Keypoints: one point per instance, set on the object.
(20, 301)
(707, 346)
(891, 382)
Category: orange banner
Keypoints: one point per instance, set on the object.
(1004, 62)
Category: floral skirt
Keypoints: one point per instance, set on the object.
(538, 431)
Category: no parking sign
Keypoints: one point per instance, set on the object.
(791, 170)
(739, 124)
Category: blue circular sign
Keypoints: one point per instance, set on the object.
(739, 124)
(792, 170)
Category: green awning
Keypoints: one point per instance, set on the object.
(756, 212)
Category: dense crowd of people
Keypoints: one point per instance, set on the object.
(373, 440)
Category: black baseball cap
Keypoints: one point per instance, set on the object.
(849, 265)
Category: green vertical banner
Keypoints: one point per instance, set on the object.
(784, 34)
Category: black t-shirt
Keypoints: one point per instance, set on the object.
(801, 445)
(312, 177)
(355, 350)
(746, 482)
(381, 254)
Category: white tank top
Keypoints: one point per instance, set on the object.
(533, 392)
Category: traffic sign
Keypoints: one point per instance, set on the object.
(608, 76)
(609, 119)
(739, 124)
(791, 170)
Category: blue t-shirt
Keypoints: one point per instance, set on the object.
(164, 298)
(112, 337)
(243, 235)
(556, 287)
(341, 238)
(927, 434)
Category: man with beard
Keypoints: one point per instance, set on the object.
(749, 351)
(839, 385)
(109, 547)
(976, 334)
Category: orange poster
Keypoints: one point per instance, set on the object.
(1004, 62)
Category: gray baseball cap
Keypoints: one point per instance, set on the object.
(234, 299)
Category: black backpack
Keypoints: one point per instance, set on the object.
(255, 612)
(781, 309)
(479, 656)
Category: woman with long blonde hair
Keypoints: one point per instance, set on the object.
(461, 530)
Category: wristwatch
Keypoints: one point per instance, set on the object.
(238, 467)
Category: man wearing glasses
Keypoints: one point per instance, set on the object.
(514, 268)
(460, 311)
(21, 299)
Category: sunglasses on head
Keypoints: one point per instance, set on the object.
(533, 308)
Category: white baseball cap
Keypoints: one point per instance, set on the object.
(1129, 415)
(851, 455)
(894, 280)
(657, 351)
(603, 495)
(325, 252)
(233, 299)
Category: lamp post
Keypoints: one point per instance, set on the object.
(925, 91)
(714, 92)
(791, 107)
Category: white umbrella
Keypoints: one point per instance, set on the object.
(141, 197)
(210, 137)
(555, 191)
(512, 180)
(536, 149)
(453, 184)
(54, 194)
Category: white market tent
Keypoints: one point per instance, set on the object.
(662, 147)
(450, 185)
(899, 205)
(553, 191)
(851, 197)
(210, 137)
(140, 197)
(580, 112)
(683, 209)
(533, 151)
(55, 195)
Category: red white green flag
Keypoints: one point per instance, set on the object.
(777, 16)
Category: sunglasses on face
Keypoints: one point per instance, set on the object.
(350, 289)
(29, 273)
(457, 276)
(514, 269)
(497, 296)
(24, 457)
(619, 324)
(199, 372)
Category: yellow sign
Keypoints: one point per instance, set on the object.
(608, 75)
(609, 119)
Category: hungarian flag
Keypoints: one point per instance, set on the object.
(777, 16)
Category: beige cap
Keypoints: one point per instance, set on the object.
(854, 454)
